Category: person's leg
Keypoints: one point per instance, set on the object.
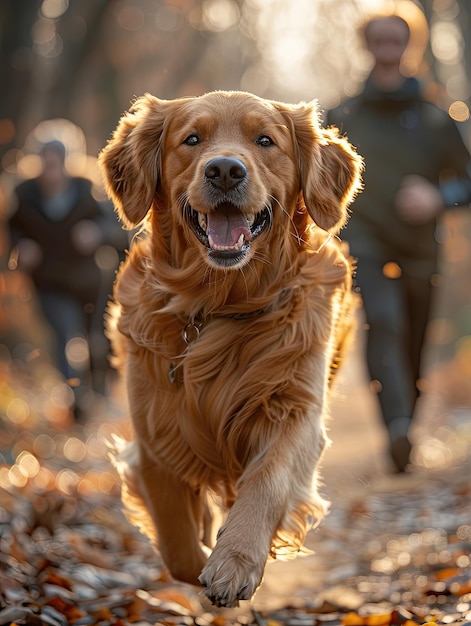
(65, 316)
(387, 352)
(421, 291)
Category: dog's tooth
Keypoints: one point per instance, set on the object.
(240, 241)
(251, 219)
(202, 220)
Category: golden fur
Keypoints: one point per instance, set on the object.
(237, 411)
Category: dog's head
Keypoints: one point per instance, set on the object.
(229, 169)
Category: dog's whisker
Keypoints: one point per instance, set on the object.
(183, 202)
(276, 201)
(243, 272)
(296, 233)
(269, 208)
(259, 256)
(299, 240)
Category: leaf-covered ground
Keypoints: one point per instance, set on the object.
(392, 551)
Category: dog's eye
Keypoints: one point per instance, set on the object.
(192, 140)
(265, 141)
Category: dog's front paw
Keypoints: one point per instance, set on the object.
(228, 579)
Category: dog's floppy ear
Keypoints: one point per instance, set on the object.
(130, 162)
(330, 169)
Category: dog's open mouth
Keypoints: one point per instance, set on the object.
(227, 233)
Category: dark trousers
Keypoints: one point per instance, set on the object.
(397, 311)
(66, 316)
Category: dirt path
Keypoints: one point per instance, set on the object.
(68, 556)
(370, 507)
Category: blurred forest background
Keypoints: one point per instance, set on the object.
(68, 70)
(71, 67)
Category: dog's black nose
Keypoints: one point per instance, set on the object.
(225, 172)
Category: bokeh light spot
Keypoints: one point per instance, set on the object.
(463, 561)
(52, 9)
(130, 18)
(106, 257)
(5, 482)
(17, 477)
(96, 446)
(447, 42)
(29, 166)
(76, 352)
(44, 479)
(106, 481)
(459, 111)
(464, 532)
(18, 411)
(219, 15)
(392, 270)
(168, 18)
(44, 446)
(75, 450)
(67, 481)
(28, 464)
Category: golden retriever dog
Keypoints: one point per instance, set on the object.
(229, 316)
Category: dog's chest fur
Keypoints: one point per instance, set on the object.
(219, 388)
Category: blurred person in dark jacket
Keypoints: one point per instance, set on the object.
(54, 234)
(415, 167)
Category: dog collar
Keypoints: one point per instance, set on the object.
(192, 330)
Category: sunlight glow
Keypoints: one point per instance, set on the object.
(311, 52)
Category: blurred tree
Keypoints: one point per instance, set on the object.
(15, 65)
(86, 60)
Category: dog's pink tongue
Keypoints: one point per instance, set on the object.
(225, 228)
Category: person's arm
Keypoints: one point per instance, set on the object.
(418, 200)
(24, 252)
(87, 234)
(455, 188)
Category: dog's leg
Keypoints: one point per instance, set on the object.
(274, 483)
(177, 512)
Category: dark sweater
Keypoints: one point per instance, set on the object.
(399, 133)
(63, 267)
